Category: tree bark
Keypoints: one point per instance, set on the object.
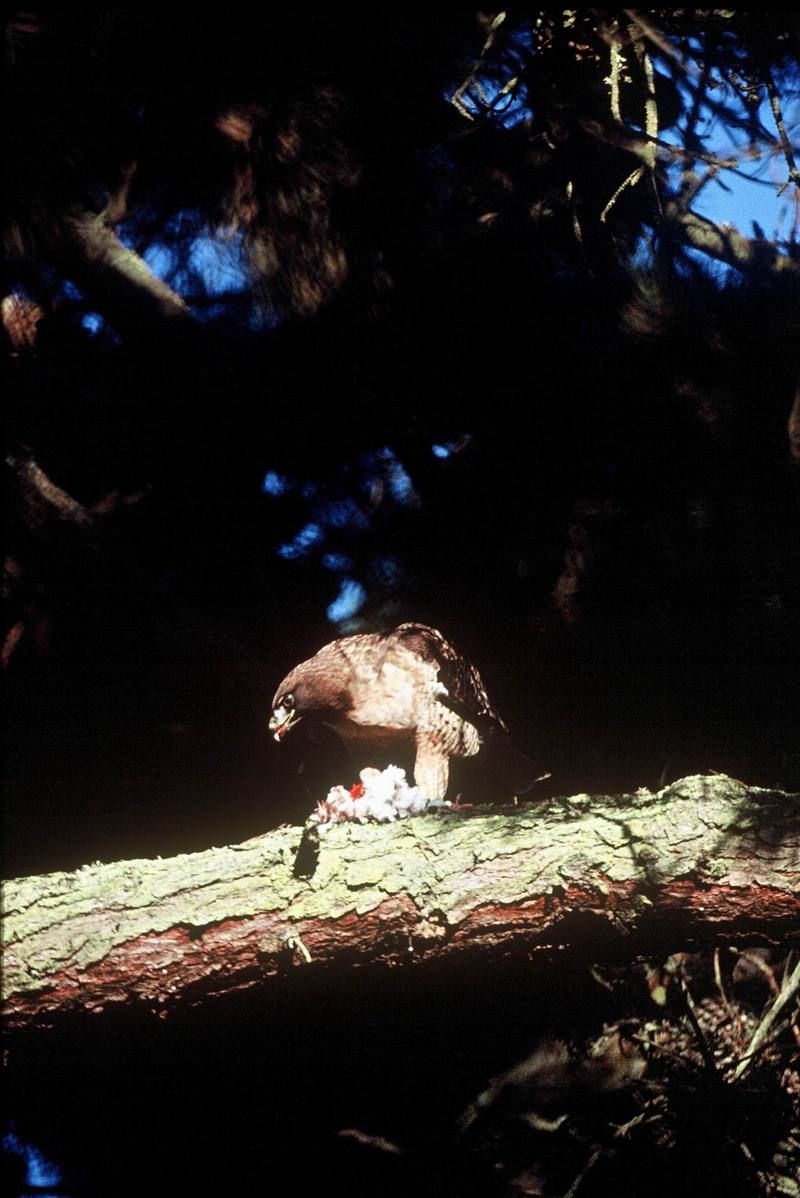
(706, 860)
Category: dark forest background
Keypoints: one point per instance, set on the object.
(441, 337)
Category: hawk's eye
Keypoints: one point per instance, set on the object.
(287, 701)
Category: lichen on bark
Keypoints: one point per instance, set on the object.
(706, 856)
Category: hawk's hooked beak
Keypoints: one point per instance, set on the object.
(282, 720)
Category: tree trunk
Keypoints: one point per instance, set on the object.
(705, 860)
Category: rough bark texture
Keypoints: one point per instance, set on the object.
(705, 859)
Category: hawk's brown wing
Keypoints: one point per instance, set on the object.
(466, 694)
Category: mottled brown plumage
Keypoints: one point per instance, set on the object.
(409, 686)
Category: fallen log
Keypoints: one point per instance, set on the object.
(706, 860)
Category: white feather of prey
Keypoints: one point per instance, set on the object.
(381, 796)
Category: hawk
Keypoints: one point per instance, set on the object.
(408, 687)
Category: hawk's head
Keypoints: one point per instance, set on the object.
(284, 714)
(308, 691)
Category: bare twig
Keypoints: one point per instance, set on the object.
(617, 66)
(693, 75)
(698, 88)
(640, 144)
(790, 987)
(587, 1168)
(788, 152)
(117, 208)
(505, 90)
(651, 133)
(456, 98)
(378, 1142)
(718, 978)
(653, 1046)
(655, 37)
(691, 1013)
(650, 104)
(692, 185)
(623, 1130)
(630, 181)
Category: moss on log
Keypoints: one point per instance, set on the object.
(704, 860)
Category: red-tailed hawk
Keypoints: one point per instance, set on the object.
(406, 687)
